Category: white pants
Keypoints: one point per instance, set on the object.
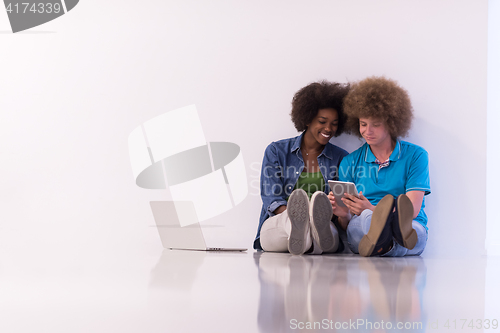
(276, 230)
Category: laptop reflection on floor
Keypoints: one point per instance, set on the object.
(175, 236)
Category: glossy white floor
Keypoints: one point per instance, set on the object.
(189, 291)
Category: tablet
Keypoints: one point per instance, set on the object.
(339, 188)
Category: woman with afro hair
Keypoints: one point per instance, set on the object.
(392, 176)
(296, 213)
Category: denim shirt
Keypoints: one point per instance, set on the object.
(281, 168)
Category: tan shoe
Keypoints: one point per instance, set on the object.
(402, 228)
(378, 240)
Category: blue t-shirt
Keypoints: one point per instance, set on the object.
(408, 170)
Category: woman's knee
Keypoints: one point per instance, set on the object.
(273, 241)
(273, 234)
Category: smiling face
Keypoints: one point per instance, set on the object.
(375, 132)
(324, 126)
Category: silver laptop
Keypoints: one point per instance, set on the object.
(176, 237)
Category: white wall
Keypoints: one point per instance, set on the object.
(72, 90)
(493, 147)
(492, 303)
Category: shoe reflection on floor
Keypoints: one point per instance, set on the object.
(338, 289)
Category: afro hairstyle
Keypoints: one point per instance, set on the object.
(316, 96)
(379, 98)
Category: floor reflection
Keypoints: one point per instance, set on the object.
(348, 293)
(176, 270)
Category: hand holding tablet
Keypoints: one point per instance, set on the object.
(338, 189)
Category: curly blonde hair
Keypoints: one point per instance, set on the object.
(381, 98)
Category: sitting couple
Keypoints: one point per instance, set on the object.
(387, 218)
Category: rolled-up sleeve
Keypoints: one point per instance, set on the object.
(272, 185)
(418, 173)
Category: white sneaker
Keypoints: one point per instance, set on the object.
(297, 208)
(320, 211)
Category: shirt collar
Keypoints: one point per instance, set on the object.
(395, 155)
(296, 144)
(327, 151)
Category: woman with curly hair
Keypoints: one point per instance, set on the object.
(388, 217)
(296, 213)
